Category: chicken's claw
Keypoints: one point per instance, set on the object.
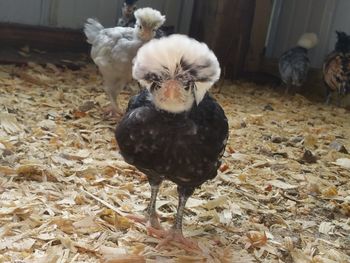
(111, 112)
(149, 221)
(173, 235)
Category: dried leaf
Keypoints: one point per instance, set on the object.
(79, 114)
(310, 141)
(256, 239)
(36, 173)
(65, 225)
(257, 119)
(330, 192)
(223, 167)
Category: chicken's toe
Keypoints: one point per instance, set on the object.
(111, 112)
(176, 236)
(156, 232)
(149, 221)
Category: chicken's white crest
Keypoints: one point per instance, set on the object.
(177, 57)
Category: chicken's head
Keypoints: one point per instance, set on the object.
(128, 9)
(343, 42)
(177, 70)
(148, 20)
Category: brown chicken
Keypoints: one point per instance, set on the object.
(336, 68)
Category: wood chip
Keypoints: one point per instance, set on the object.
(66, 192)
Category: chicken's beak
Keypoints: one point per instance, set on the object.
(172, 89)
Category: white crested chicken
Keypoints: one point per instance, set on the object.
(294, 63)
(173, 129)
(128, 19)
(336, 68)
(113, 50)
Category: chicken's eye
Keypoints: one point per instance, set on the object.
(140, 27)
(154, 86)
(189, 85)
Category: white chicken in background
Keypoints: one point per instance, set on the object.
(128, 19)
(113, 50)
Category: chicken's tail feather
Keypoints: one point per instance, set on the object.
(91, 29)
(308, 40)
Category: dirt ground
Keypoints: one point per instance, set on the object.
(282, 194)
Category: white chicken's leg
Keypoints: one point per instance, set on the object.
(112, 89)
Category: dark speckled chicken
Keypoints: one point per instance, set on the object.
(174, 130)
(128, 18)
(294, 63)
(336, 68)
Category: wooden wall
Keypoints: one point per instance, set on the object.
(225, 26)
(257, 43)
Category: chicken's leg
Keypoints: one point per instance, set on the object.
(288, 86)
(112, 89)
(328, 96)
(175, 233)
(151, 217)
(151, 209)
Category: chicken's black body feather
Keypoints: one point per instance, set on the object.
(185, 148)
(294, 65)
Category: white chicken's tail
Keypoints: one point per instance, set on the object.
(308, 40)
(91, 29)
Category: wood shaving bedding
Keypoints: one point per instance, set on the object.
(65, 190)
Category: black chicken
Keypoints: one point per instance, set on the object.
(128, 18)
(174, 130)
(336, 68)
(294, 63)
